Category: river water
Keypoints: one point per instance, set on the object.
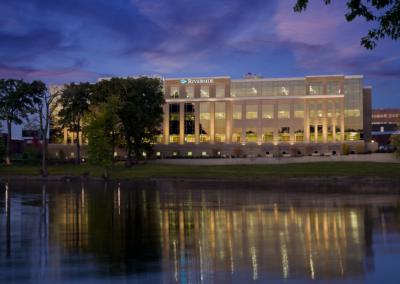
(199, 232)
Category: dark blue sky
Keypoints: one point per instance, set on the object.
(63, 41)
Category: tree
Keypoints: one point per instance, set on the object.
(3, 150)
(17, 99)
(44, 110)
(99, 124)
(141, 113)
(395, 140)
(388, 18)
(74, 100)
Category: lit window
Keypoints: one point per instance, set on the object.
(72, 154)
(299, 134)
(220, 91)
(144, 154)
(158, 153)
(284, 134)
(316, 88)
(237, 112)
(236, 134)
(268, 111)
(337, 109)
(330, 109)
(189, 153)
(175, 92)
(203, 153)
(251, 111)
(299, 110)
(319, 109)
(284, 111)
(267, 134)
(251, 134)
(204, 92)
(333, 88)
(312, 110)
(189, 92)
(115, 154)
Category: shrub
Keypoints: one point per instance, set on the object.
(61, 154)
(359, 149)
(295, 150)
(309, 150)
(237, 151)
(244, 156)
(346, 149)
(259, 155)
(215, 151)
(24, 156)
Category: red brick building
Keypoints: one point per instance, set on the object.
(16, 145)
(384, 124)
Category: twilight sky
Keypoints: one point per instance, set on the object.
(63, 41)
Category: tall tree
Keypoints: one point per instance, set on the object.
(100, 126)
(395, 140)
(44, 110)
(74, 100)
(3, 150)
(141, 113)
(385, 12)
(17, 99)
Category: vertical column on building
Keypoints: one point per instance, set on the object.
(166, 124)
(212, 122)
(228, 122)
(315, 119)
(291, 120)
(197, 122)
(65, 136)
(276, 121)
(243, 122)
(181, 123)
(259, 120)
(342, 120)
(324, 118)
(306, 121)
(334, 121)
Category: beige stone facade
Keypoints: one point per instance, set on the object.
(267, 105)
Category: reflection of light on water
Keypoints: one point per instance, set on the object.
(119, 201)
(254, 259)
(312, 266)
(175, 262)
(83, 200)
(354, 225)
(285, 260)
(340, 261)
(6, 200)
(144, 203)
(383, 228)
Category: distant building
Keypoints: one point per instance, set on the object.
(28, 134)
(16, 144)
(384, 124)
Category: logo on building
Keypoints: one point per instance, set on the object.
(196, 81)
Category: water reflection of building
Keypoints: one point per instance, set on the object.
(202, 242)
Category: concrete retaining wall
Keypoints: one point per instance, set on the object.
(375, 157)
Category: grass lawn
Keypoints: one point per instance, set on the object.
(329, 169)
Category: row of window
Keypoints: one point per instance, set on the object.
(390, 115)
(204, 91)
(267, 135)
(383, 122)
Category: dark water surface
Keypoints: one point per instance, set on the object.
(199, 232)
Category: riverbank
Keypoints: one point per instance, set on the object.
(320, 170)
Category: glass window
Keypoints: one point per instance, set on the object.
(312, 109)
(159, 136)
(337, 109)
(337, 132)
(236, 134)
(237, 112)
(312, 133)
(251, 111)
(189, 123)
(189, 92)
(158, 153)
(319, 109)
(300, 88)
(284, 111)
(315, 88)
(203, 153)
(174, 117)
(268, 111)
(299, 110)
(175, 92)
(267, 134)
(299, 134)
(333, 88)
(284, 134)
(189, 153)
(330, 107)
(352, 133)
(251, 134)
(219, 122)
(220, 91)
(319, 132)
(204, 92)
(330, 132)
(204, 123)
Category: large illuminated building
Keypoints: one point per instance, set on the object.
(217, 114)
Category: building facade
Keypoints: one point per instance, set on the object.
(386, 118)
(216, 115)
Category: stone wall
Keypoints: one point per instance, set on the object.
(375, 157)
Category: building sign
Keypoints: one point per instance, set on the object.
(196, 81)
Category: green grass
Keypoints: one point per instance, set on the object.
(329, 169)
